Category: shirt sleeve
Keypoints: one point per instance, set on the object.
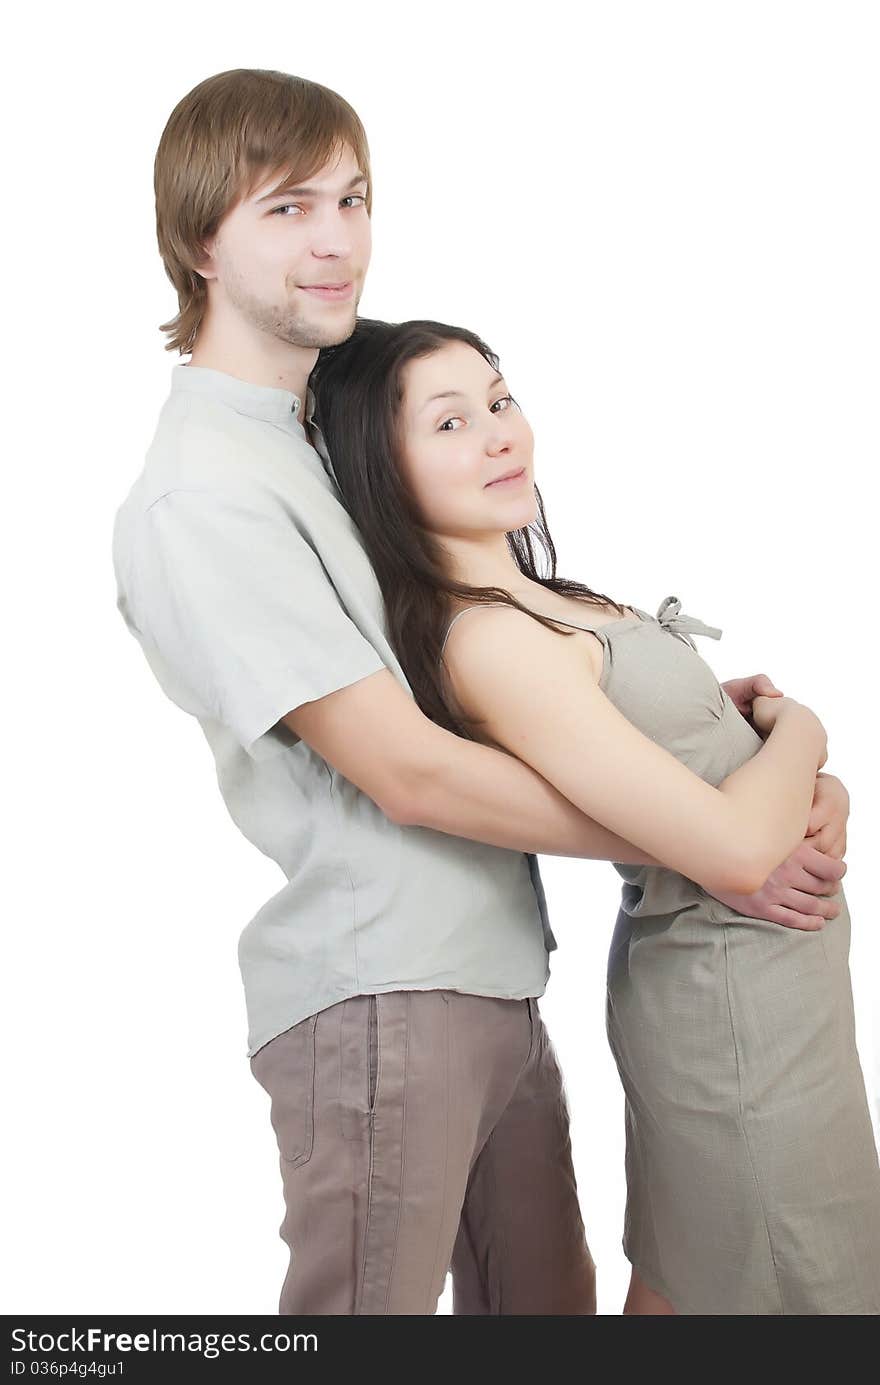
(242, 611)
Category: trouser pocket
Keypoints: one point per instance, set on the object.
(285, 1068)
(358, 1065)
(373, 1052)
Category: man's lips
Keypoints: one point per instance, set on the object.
(509, 476)
(331, 290)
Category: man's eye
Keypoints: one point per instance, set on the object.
(288, 207)
(356, 197)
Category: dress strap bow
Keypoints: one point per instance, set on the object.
(670, 617)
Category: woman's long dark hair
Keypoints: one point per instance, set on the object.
(358, 388)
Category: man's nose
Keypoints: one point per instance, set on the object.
(331, 238)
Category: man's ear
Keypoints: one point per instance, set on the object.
(203, 264)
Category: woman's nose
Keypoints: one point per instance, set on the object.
(500, 441)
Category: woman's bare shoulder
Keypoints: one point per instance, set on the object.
(498, 647)
(475, 627)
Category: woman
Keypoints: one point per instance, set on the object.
(752, 1175)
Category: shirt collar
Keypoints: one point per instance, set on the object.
(316, 437)
(257, 401)
(277, 406)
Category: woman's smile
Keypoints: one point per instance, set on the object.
(510, 478)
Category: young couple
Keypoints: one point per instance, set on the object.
(335, 564)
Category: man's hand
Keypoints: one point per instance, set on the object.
(826, 829)
(797, 894)
(743, 691)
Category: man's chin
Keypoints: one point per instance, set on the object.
(332, 333)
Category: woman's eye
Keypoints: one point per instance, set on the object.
(506, 400)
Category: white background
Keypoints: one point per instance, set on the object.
(665, 220)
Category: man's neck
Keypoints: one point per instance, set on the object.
(264, 361)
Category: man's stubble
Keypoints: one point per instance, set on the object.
(284, 322)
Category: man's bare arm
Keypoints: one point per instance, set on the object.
(374, 734)
(421, 775)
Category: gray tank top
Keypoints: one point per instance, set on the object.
(653, 674)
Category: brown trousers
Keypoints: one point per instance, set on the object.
(421, 1131)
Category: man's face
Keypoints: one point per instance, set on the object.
(273, 254)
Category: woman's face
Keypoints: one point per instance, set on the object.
(460, 432)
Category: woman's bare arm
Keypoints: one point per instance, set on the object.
(729, 838)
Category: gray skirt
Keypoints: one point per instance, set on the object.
(753, 1184)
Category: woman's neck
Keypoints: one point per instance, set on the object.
(478, 563)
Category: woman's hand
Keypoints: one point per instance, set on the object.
(767, 711)
(743, 691)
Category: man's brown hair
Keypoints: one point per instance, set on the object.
(226, 136)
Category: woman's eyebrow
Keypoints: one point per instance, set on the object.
(455, 394)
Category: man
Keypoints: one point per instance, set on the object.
(392, 982)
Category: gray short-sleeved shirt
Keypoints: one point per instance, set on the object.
(244, 580)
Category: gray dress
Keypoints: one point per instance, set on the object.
(753, 1184)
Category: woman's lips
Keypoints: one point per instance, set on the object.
(509, 480)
